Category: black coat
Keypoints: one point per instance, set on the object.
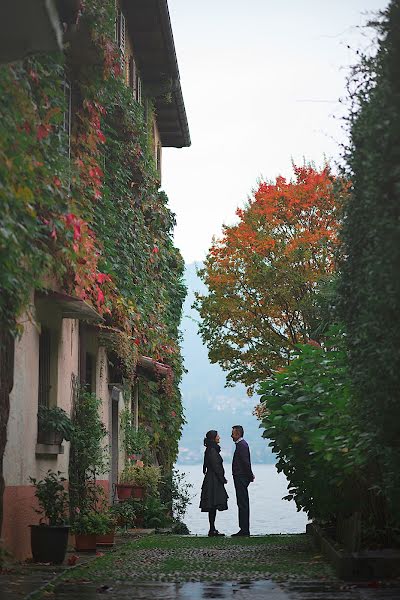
(213, 493)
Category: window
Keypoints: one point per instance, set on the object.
(44, 367)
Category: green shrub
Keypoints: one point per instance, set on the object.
(306, 414)
(370, 283)
(91, 523)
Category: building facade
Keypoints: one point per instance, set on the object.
(68, 334)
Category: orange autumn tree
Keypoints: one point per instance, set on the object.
(263, 274)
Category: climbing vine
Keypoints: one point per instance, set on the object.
(85, 209)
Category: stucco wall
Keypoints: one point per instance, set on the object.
(20, 459)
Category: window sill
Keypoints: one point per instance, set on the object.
(49, 449)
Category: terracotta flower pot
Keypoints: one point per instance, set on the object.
(124, 491)
(138, 492)
(107, 539)
(85, 543)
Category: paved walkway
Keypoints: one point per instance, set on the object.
(258, 590)
(22, 581)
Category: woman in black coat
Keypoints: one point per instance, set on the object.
(213, 493)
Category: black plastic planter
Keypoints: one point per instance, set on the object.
(49, 544)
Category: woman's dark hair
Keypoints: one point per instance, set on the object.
(210, 436)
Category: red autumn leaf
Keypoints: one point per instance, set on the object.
(43, 131)
(77, 230)
(102, 277)
(70, 218)
(57, 182)
(101, 136)
(100, 296)
(155, 250)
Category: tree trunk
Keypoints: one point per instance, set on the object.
(7, 347)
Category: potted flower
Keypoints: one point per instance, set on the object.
(54, 425)
(86, 527)
(49, 539)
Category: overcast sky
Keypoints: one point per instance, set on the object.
(261, 82)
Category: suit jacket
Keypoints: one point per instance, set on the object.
(241, 463)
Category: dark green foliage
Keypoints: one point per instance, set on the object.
(87, 454)
(52, 497)
(306, 414)
(154, 513)
(55, 419)
(124, 513)
(370, 285)
(91, 523)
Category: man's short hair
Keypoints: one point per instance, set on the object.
(240, 429)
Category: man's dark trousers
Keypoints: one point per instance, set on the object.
(242, 496)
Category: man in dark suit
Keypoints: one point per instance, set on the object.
(242, 477)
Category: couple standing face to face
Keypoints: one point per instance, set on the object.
(213, 493)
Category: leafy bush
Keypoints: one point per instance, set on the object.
(181, 495)
(52, 497)
(370, 283)
(306, 413)
(124, 513)
(92, 523)
(154, 513)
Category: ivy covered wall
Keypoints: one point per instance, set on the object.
(81, 206)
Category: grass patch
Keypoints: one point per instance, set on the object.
(177, 558)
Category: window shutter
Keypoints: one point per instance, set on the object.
(132, 75)
(44, 367)
(122, 38)
(121, 30)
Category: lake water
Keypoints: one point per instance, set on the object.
(268, 512)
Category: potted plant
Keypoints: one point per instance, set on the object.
(86, 527)
(54, 425)
(49, 540)
(107, 538)
(136, 480)
(110, 521)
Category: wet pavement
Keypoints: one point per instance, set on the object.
(258, 590)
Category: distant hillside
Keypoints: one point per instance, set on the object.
(208, 404)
